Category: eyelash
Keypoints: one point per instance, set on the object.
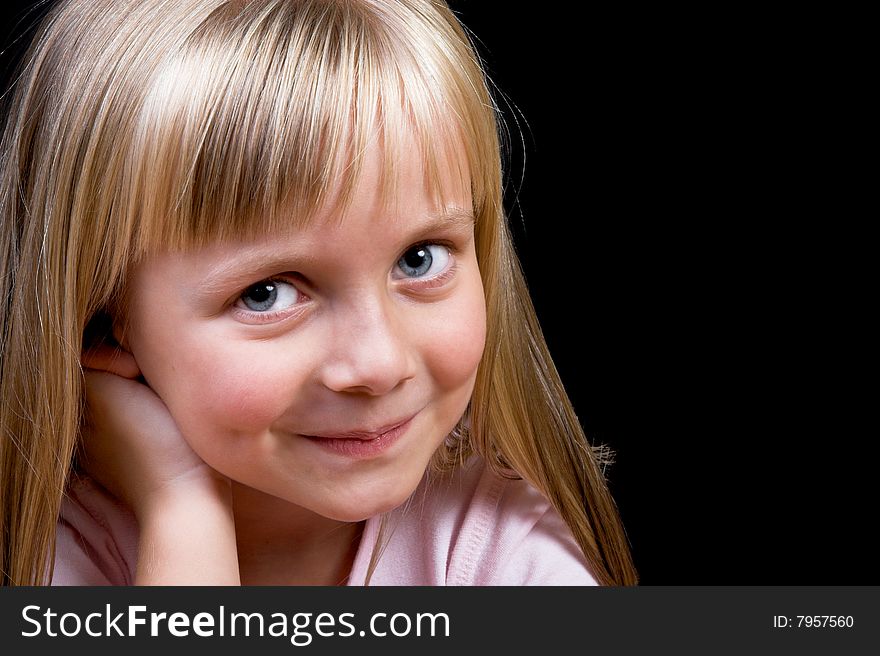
(439, 279)
(273, 316)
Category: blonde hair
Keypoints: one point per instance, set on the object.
(142, 125)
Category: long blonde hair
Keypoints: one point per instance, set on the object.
(138, 125)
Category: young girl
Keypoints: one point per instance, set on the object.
(262, 319)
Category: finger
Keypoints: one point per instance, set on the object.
(112, 359)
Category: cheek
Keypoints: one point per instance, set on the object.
(454, 345)
(238, 398)
(216, 388)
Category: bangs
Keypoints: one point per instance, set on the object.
(263, 117)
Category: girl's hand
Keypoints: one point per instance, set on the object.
(132, 446)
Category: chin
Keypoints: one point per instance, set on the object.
(360, 507)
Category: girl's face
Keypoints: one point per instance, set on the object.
(324, 365)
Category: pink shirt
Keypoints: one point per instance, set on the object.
(473, 529)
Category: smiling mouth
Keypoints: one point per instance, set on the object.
(362, 444)
(362, 435)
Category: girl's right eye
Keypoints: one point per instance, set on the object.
(269, 296)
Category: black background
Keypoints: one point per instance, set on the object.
(683, 287)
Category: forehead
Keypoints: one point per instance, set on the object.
(399, 182)
(362, 239)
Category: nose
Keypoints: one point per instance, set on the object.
(370, 352)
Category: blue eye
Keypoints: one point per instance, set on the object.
(269, 295)
(423, 260)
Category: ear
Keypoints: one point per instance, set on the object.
(112, 358)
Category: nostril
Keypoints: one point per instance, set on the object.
(366, 369)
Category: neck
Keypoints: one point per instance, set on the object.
(280, 543)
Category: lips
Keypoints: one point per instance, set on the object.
(359, 434)
(362, 444)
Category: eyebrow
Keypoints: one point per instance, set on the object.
(245, 268)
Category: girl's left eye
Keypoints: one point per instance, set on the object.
(268, 296)
(423, 260)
